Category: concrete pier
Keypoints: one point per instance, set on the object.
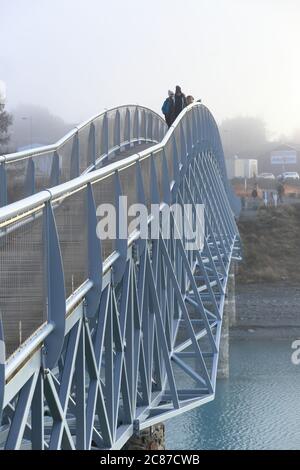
(152, 438)
(229, 319)
(231, 305)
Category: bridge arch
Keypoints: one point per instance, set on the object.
(141, 335)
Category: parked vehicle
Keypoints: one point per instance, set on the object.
(266, 176)
(290, 175)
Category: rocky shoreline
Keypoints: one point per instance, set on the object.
(268, 332)
(267, 310)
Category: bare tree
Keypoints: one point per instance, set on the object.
(36, 123)
(5, 121)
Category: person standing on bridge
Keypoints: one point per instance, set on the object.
(168, 108)
(180, 101)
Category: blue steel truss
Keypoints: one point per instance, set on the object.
(90, 145)
(123, 336)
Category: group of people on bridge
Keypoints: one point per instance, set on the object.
(174, 104)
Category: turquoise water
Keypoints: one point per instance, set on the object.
(258, 407)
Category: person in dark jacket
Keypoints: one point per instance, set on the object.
(280, 192)
(168, 108)
(180, 101)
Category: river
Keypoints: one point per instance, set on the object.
(258, 407)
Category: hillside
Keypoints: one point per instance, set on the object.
(271, 246)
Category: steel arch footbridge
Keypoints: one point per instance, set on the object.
(99, 339)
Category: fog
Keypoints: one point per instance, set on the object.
(76, 58)
(36, 125)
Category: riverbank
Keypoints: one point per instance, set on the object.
(268, 333)
(266, 310)
(268, 280)
(271, 246)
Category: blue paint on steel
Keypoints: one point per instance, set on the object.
(94, 256)
(117, 131)
(75, 158)
(121, 231)
(3, 185)
(111, 363)
(55, 170)
(30, 178)
(55, 288)
(92, 146)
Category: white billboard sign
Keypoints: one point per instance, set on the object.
(284, 157)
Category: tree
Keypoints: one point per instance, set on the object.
(5, 122)
(36, 123)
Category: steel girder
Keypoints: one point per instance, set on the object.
(142, 345)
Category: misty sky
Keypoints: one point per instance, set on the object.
(78, 57)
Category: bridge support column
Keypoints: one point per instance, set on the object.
(229, 319)
(231, 296)
(152, 438)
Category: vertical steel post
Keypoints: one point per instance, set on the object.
(117, 132)
(121, 229)
(30, 178)
(127, 136)
(137, 125)
(3, 185)
(91, 161)
(94, 261)
(55, 289)
(80, 382)
(105, 136)
(75, 163)
(37, 415)
(55, 170)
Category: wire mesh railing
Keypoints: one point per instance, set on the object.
(23, 252)
(88, 146)
(125, 316)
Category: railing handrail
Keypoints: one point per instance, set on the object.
(29, 203)
(190, 153)
(11, 210)
(15, 156)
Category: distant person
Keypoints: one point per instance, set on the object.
(189, 100)
(180, 101)
(265, 198)
(280, 192)
(254, 193)
(168, 108)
